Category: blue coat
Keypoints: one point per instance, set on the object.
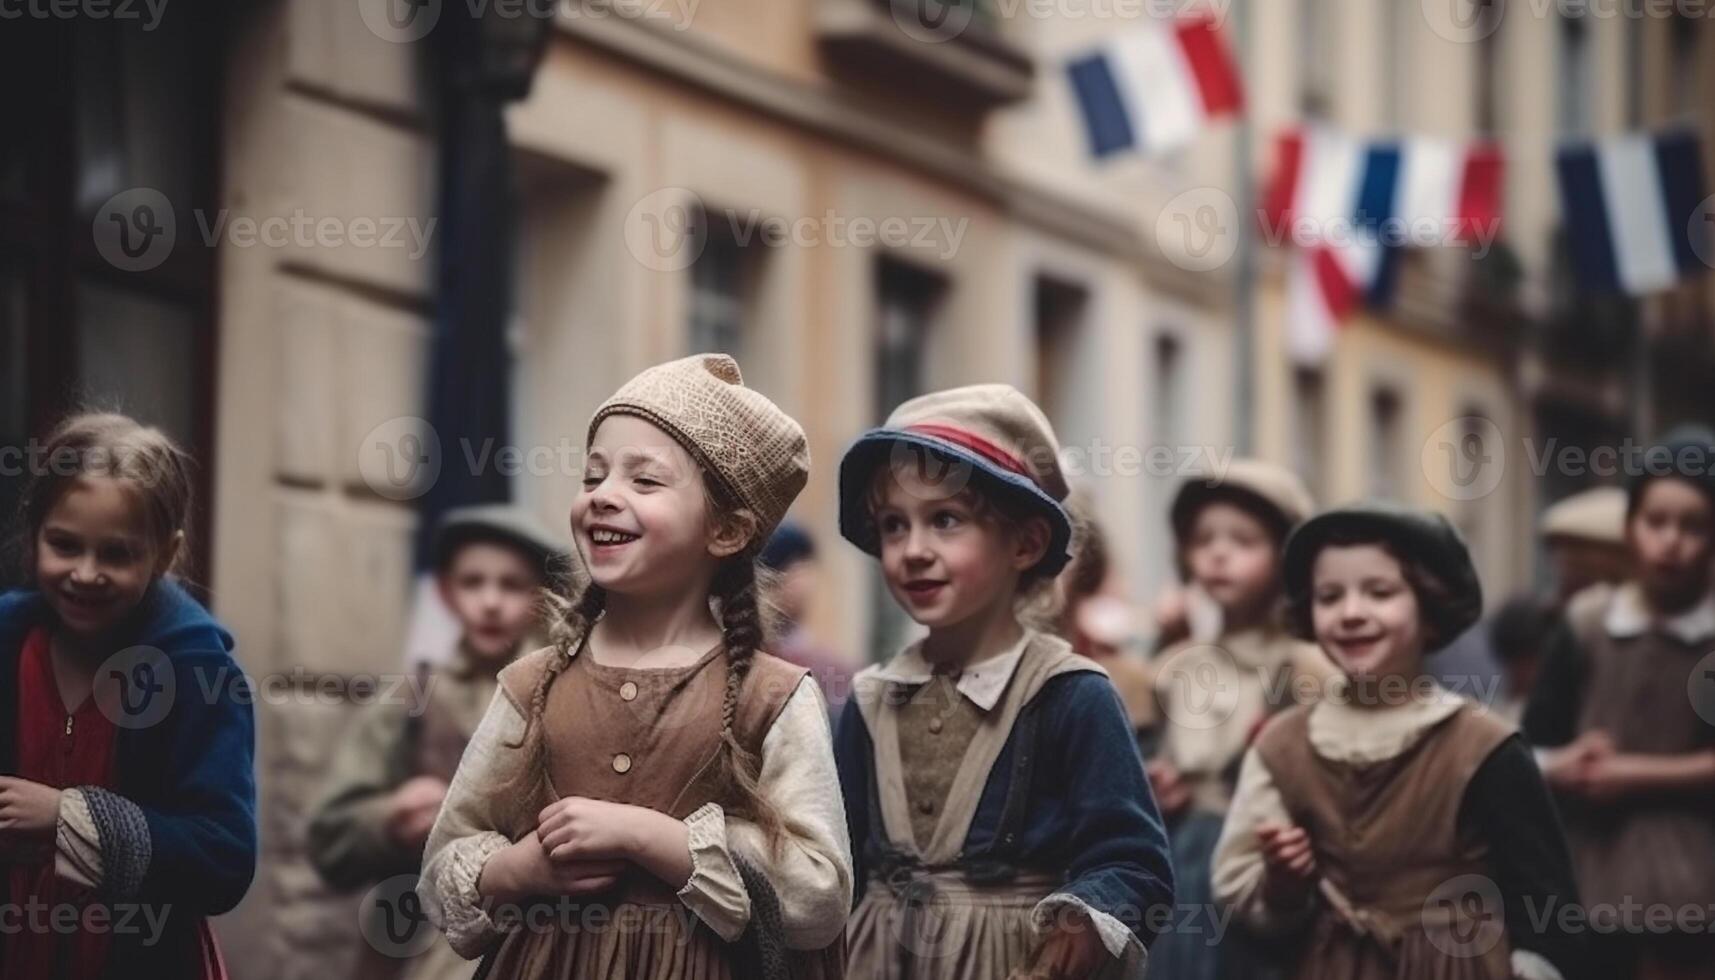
(1091, 817)
(192, 774)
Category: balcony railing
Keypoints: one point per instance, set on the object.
(951, 50)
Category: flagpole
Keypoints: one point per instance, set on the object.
(1244, 283)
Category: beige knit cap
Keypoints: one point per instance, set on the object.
(757, 452)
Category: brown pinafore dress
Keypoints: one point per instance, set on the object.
(930, 917)
(646, 737)
(1641, 690)
(1403, 894)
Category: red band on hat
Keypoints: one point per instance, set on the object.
(976, 444)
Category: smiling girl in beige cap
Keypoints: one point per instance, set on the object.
(654, 767)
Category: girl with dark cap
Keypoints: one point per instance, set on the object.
(1394, 829)
(1626, 701)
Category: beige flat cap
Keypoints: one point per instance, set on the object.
(1597, 516)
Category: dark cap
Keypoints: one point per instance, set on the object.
(1273, 492)
(1687, 453)
(501, 523)
(789, 544)
(1424, 537)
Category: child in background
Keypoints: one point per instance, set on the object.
(1214, 694)
(1393, 828)
(791, 555)
(653, 770)
(1624, 708)
(1100, 625)
(388, 778)
(1519, 634)
(999, 809)
(1586, 539)
(127, 737)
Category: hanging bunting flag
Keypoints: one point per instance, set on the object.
(1349, 205)
(1154, 89)
(1629, 205)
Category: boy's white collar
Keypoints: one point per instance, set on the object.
(1629, 616)
(982, 683)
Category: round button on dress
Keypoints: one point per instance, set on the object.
(628, 691)
(622, 763)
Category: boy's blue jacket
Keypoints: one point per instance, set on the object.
(192, 774)
(1090, 815)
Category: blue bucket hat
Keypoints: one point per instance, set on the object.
(990, 436)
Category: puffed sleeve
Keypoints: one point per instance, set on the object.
(812, 870)
(1236, 873)
(77, 842)
(466, 833)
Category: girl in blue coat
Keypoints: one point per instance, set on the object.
(127, 780)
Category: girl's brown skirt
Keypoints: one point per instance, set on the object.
(631, 940)
(1334, 952)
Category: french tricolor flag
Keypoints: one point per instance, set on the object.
(1154, 89)
(1632, 211)
(1350, 204)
